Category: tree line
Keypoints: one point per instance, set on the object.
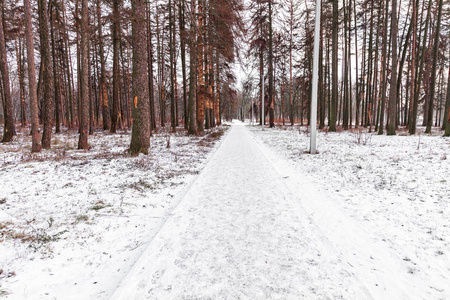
(383, 63)
(150, 64)
(117, 64)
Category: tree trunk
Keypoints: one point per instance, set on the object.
(433, 69)
(384, 70)
(150, 71)
(414, 107)
(56, 85)
(181, 16)
(20, 73)
(358, 100)
(47, 75)
(393, 89)
(271, 89)
(35, 133)
(334, 67)
(200, 75)
(84, 103)
(173, 122)
(445, 123)
(106, 114)
(291, 43)
(217, 83)
(192, 80)
(9, 130)
(140, 137)
(116, 75)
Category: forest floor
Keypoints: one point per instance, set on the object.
(73, 222)
(366, 218)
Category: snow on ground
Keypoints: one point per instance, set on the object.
(238, 234)
(72, 223)
(396, 188)
(367, 217)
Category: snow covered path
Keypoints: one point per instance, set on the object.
(240, 233)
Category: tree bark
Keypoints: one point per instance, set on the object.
(173, 123)
(200, 74)
(84, 99)
(20, 66)
(181, 16)
(414, 107)
(393, 89)
(192, 79)
(140, 136)
(270, 71)
(445, 123)
(35, 133)
(116, 72)
(106, 114)
(47, 81)
(433, 69)
(334, 67)
(384, 71)
(150, 71)
(9, 130)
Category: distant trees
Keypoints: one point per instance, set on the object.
(383, 63)
(87, 76)
(376, 61)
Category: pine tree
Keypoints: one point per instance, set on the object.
(9, 130)
(140, 136)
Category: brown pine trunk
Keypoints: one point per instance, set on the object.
(334, 67)
(384, 66)
(115, 114)
(47, 79)
(271, 89)
(56, 86)
(9, 130)
(84, 99)
(35, 133)
(106, 115)
(433, 69)
(68, 74)
(181, 11)
(291, 42)
(358, 100)
(140, 136)
(393, 89)
(413, 117)
(192, 79)
(150, 71)
(445, 124)
(19, 54)
(447, 109)
(173, 123)
(217, 81)
(200, 74)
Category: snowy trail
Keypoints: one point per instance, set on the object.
(240, 233)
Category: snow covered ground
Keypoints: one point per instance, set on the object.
(72, 223)
(366, 218)
(395, 190)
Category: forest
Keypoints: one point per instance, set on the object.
(136, 163)
(85, 65)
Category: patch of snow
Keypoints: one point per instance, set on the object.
(73, 223)
(387, 195)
